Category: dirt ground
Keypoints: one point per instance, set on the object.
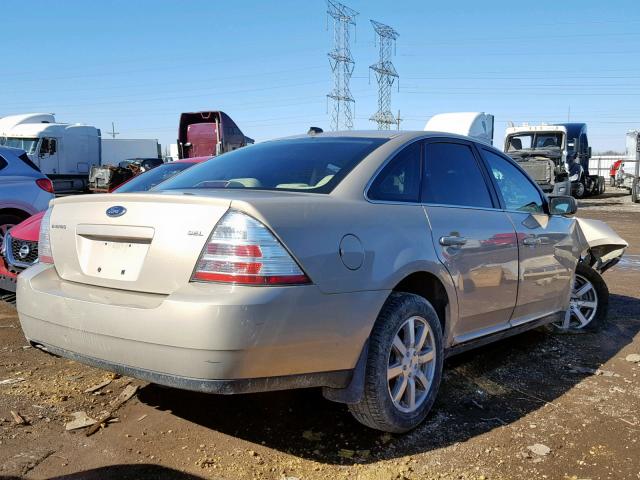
(536, 406)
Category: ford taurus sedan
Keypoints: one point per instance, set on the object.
(352, 261)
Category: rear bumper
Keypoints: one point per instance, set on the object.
(335, 379)
(205, 337)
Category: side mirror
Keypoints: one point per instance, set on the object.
(562, 205)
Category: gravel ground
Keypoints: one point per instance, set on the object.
(540, 405)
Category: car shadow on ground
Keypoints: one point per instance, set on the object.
(124, 472)
(482, 389)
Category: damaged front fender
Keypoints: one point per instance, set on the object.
(601, 247)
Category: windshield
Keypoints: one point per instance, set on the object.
(534, 141)
(314, 164)
(150, 179)
(27, 144)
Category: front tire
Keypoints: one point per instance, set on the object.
(579, 190)
(6, 223)
(635, 191)
(589, 302)
(404, 365)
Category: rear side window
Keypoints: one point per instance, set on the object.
(3, 163)
(399, 180)
(453, 177)
(517, 191)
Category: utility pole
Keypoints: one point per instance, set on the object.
(342, 65)
(386, 75)
(113, 132)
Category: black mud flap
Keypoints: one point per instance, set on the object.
(353, 392)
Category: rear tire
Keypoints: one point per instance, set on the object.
(400, 388)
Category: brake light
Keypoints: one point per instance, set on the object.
(45, 184)
(242, 250)
(44, 240)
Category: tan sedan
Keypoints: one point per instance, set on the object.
(352, 261)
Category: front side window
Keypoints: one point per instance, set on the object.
(48, 146)
(453, 177)
(517, 191)
(313, 164)
(399, 180)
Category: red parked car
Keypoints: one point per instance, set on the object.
(20, 248)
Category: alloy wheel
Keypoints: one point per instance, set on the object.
(411, 364)
(583, 305)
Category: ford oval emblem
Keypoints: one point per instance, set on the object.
(116, 211)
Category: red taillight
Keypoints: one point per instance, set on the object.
(242, 250)
(45, 184)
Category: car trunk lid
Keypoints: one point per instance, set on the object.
(151, 246)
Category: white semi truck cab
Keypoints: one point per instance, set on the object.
(64, 152)
(555, 156)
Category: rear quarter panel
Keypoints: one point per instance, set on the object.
(395, 238)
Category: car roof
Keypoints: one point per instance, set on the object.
(191, 160)
(405, 135)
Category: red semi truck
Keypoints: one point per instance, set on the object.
(210, 133)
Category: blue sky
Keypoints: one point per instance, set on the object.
(141, 63)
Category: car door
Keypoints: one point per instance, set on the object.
(474, 239)
(547, 256)
(48, 155)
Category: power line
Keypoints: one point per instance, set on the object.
(386, 75)
(342, 65)
(113, 132)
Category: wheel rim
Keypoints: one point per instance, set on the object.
(580, 190)
(411, 364)
(583, 304)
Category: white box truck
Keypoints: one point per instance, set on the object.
(65, 152)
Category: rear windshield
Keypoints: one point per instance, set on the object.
(150, 179)
(313, 164)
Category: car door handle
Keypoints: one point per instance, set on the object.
(532, 241)
(452, 241)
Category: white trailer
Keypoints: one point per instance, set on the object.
(65, 152)
(115, 150)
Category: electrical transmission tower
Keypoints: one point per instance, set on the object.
(385, 75)
(342, 64)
